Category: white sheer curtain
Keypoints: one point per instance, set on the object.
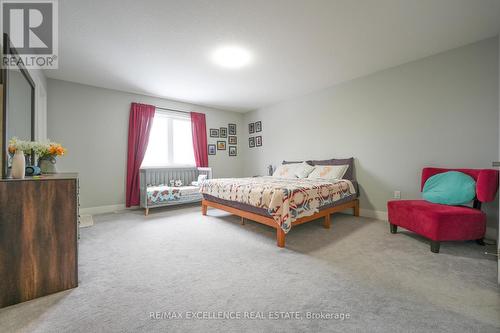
(170, 141)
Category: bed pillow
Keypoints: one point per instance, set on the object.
(329, 172)
(450, 188)
(293, 170)
(303, 170)
(201, 179)
(286, 171)
(349, 174)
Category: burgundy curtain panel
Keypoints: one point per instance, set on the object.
(139, 126)
(199, 130)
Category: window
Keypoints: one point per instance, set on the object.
(170, 141)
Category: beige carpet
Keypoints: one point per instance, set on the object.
(175, 260)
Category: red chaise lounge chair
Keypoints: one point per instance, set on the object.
(442, 222)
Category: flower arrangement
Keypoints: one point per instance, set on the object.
(49, 149)
(41, 149)
(15, 144)
(45, 151)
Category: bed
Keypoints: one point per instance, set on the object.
(281, 203)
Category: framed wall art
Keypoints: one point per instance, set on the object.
(211, 149)
(221, 145)
(258, 126)
(214, 133)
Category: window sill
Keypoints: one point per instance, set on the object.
(173, 166)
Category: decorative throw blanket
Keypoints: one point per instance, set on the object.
(285, 199)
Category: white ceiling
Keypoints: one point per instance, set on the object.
(163, 48)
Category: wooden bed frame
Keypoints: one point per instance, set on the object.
(280, 234)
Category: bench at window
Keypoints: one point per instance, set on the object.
(157, 192)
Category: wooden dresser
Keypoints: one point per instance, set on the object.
(38, 237)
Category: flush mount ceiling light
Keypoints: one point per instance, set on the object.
(232, 57)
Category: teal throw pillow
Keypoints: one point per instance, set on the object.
(450, 188)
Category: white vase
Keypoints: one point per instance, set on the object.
(18, 165)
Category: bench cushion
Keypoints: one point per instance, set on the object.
(438, 222)
(163, 194)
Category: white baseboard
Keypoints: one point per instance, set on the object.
(102, 209)
(374, 214)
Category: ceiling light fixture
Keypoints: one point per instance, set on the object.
(232, 57)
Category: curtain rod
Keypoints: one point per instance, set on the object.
(173, 110)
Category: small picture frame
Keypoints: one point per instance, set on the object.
(223, 132)
(232, 151)
(258, 141)
(251, 142)
(232, 140)
(251, 128)
(258, 126)
(214, 133)
(221, 145)
(211, 149)
(231, 129)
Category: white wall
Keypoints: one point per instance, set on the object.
(437, 111)
(93, 124)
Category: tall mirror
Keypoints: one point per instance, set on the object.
(18, 105)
